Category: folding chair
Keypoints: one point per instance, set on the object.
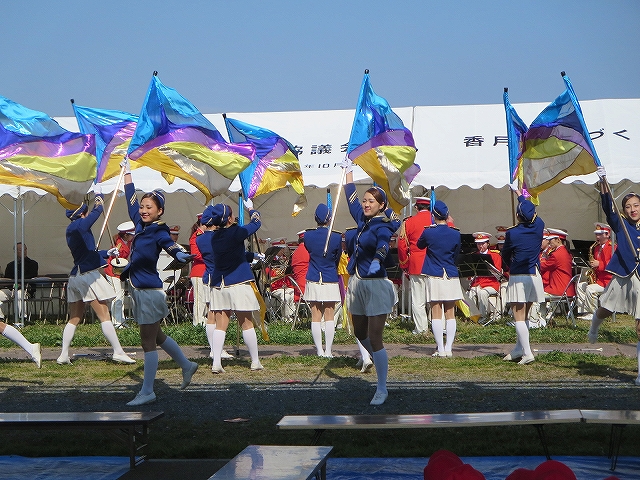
(565, 301)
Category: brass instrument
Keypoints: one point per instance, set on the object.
(591, 273)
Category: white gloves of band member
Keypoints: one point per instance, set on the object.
(601, 172)
(113, 252)
(347, 164)
(258, 256)
(126, 165)
(248, 203)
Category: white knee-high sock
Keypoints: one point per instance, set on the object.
(175, 352)
(209, 328)
(217, 344)
(316, 334)
(595, 324)
(523, 337)
(329, 333)
(251, 341)
(15, 336)
(451, 334)
(381, 361)
(438, 333)
(67, 336)
(109, 332)
(150, 370)
(366, 358)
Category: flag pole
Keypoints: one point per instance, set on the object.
(108, 213)
(333, 213)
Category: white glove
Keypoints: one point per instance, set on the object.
(113, 252)
(347, 164)
(97, 189)
(601, 172)
(258, 256)
(126, 165)
(248, 203)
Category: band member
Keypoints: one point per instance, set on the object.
(521, 253)
(149, 298)
(233, 284)
(484, 286)
(443, 244)
(86, 283)
(322, 290)
(122, 242)
(371, 295)
(411, 259)
(623, 292)
(599, 256)
(195, 274)
(13, 334)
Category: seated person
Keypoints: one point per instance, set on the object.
(601, 252)
(299, 266)
(30, 271)
(483, 287)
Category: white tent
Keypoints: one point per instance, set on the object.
(461, 149)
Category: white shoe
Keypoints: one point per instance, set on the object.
(586, 317)
(366, 367)
(637, 382)
(527, 359)
(438, 354)
(514, 355)
(123, 358)
(142, 399)
(255, 366)
(187, 374)
(63, 360)
(226, 355)
(448, 354)
(327, 355)
(36, 354)
(379, 398)
(217, 369)
(593, 337)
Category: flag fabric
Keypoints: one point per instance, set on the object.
(174, 138)
(276, 162)
(382, 146)
(113, 130)
(516, 130)
(557, 144)
(37, 152)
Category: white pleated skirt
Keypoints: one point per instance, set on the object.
(322, 292)
(443, 289)
(239, 297)
(89, 286)
(622, 295)
(525, 289)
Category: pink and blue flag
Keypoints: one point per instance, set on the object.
(37, 152)
(113, 131)
(557, 144)
(276, 162)
(174, 138)
(382, 146)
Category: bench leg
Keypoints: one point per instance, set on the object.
(316, 436)
(543, 440)
(614, 444)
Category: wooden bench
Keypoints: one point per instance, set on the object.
(274, 462)
(131, 427)
(537, 418)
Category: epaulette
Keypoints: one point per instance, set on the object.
(512, 226)
(350, 228)
(309, 229)
(336, 231)
(453, 228)
(495, 251)
(433, 225)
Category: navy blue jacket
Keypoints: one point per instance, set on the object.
(372, 240)
(623, 261)
(82, 244)
(148, 241)
(443, 247)
(522, 243)
(203, 241)
(323, 268)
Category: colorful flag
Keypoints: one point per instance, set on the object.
(516, 130)
(276, 162)
(113, 130)
(557, 144)
(174, 138)
(382, 146)
(37, 152)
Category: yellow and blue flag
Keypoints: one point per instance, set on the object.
(382, 146)
(276, 162)
(174, 138)
(113, 131)
(37, 152)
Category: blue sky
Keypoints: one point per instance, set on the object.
(252, 56)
